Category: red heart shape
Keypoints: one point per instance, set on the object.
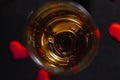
(42, 75)
(114, 31)
(18, 51)
(97, 32)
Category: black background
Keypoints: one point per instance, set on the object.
(15, 13)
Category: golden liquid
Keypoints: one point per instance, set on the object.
(60, 37)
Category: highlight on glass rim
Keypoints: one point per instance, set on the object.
(61, 37)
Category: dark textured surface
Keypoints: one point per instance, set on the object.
(13, 16)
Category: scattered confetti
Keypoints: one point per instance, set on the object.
(40, 51)
(18, 51)
(114, 31)
(97, 32)
(76, 68)
(42, 75)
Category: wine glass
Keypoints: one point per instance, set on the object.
(61, 38)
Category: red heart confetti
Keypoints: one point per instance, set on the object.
(40, 51)
(76, 68)
(18, 51)
(114, 31)
(42, 75)
(97, 32)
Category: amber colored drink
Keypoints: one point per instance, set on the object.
(61, 37)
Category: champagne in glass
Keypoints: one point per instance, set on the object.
(61, 37)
